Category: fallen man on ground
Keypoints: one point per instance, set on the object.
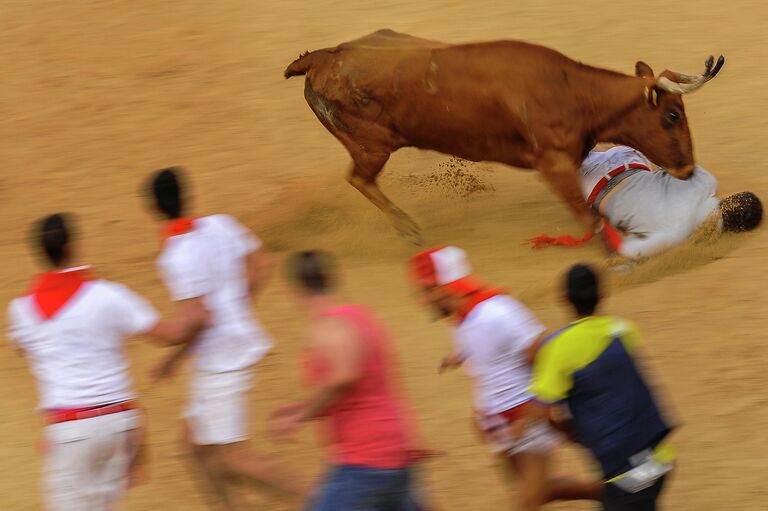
(651, 210)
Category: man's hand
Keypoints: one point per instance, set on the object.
(164, 370)
(198, 317)
(611, 237)
(419, 455)
(286, 421)
(560, 419)
(518, 428)
(451, 361)
(259, 267)
(193, 318)
(138, 470)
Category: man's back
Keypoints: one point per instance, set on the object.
(651, 202)
(494, 337)
(209, 262)
(586, 379)
(597, 164)
(591, 365)
(77, 353)
(652, 208)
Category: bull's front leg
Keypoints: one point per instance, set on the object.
(561, 173)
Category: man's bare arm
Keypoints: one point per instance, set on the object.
(194, 313)
(258, 270)
(183, 328)
(343, 351)
(533, 348)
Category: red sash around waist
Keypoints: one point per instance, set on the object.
(72, 414)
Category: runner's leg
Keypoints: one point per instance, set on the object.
(568, 488)
(65, 479)
(344, 488)
(418, 495)
(111, 468)
(203, 457)
(218, 424)
(531, 470)
(240, 460)
(616, 499)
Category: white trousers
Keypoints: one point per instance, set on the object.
(538, 437)
(87, 461)
(217, 412)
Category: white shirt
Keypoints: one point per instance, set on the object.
(656, 210)
(210, 262)
(77, 355)
(493, 339)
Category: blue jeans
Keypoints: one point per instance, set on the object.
(356, 488)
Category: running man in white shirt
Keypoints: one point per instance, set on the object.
(213, 263)
(72, 328)
(496, 338)
(652, 209)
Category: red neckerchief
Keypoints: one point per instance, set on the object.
(52, 290)
(177, 227)
(473, 300)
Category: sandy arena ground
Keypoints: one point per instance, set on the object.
(97, 93)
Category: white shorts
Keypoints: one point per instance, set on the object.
(87, 461)
(217, 412)
(538, 437)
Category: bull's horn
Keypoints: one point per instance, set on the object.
(688, 83)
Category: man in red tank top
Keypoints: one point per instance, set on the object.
(349, 362)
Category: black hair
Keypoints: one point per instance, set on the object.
(741, 212)
(313, 270)
(166, 188)
(583, 289)
(54, 234)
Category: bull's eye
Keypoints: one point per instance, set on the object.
(671, 118)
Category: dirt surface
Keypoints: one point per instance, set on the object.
(96, 94)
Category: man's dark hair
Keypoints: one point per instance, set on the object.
(313, 270)
(167, 190)
(54, 234)
(741, 212)
(583, 289)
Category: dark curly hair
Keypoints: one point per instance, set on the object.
(741, 212)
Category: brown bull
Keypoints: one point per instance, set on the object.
(505, 101)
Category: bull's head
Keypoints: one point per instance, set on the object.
(659, 127)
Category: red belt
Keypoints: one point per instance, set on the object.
(615, 172)
(74, 414)
(514, 414)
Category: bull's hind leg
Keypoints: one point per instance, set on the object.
(370, 144)
(366, 167)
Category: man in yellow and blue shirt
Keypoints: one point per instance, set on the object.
(588, 372)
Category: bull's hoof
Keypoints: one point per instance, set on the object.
(409, 231)
(413, 238)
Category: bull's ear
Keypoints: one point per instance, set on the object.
(643, 70)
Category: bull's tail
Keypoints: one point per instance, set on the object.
(305, 62)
